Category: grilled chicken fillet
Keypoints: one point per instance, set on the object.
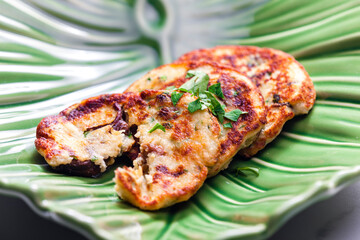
(86, 137)
(172, 165)
(173, 150)
(240, 93)
(285, 85)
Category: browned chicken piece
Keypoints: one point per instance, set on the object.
(285, 85)
(172, 165)
(239, 93)
(86, 137)
(173, 149)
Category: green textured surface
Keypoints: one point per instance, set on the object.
(55, 53)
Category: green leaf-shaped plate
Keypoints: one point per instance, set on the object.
(55, 53)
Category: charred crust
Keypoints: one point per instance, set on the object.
(146, 94)
(186, 150)
(133, 129)
(167, 125)
(276, 98)
(41, 130)
(82, 109)
(134, 151)
(168, 113)
(162, 99)
(42, 143)
(119, 123)
(48, 121)
(132, 101)
(178, 171)
(164, 170)
(91, 105)
(79, 168)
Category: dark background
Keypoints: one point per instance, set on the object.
(335, 218)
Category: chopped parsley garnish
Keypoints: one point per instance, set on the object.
(234, 114)
(194, 106)
(228, 125)
(245, 171)
(94, 158)
(189, 74)
(205, 101)
(149, 79)
(86, 133)
(163, 78)
(216, 107)
(175, 97)
(197, 85)
(216, 89)
(157, 126)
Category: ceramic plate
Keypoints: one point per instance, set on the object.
(55, 53)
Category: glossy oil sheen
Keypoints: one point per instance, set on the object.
(55, 53)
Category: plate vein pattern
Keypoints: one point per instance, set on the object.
(55, 53)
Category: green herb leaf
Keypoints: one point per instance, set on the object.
(234, 114)
(246, 171)
(216, 89)
(216, 107)
(149, 79)
(175, 97)
(220, 111)
(94, 158)
(163, 78)
(86, 133)
(205, 101)
(190, 74)
(228, 125)
(157, 126)
(197, 84)
(184, 90)
(194, 106)
(188, 86)
(171, 88)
